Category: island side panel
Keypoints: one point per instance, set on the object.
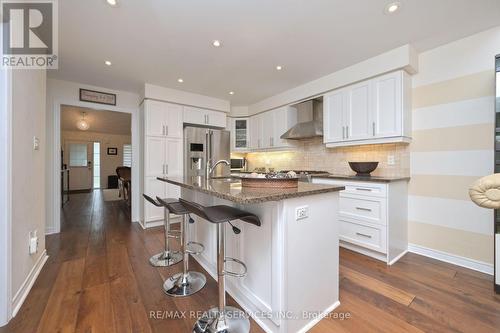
(312, 259)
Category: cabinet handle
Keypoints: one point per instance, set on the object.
(166, 130)
(162, 129)
(363, 189)
(343, 132)
(163, 168)
(363, 235)
(364, 209)
(208, 119)
(347, 132)
(166, 169)
(373, 127)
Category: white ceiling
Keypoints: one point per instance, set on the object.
(101, 121)
(158, 41)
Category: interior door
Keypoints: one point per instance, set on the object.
(79, 160)
(358, 112)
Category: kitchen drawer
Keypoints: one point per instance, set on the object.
(371, 189)
(368, 236)
(363, 208)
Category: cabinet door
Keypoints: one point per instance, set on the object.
(196, 116)
(267, 135)
(358, 112)
(216, 118)
(284, 119)
(239, 133)
(154, 164)
(153, 187)
(387, 105)
(173, 123)
(154, 118)
(255, 131)
(334, 116)
(174, 157)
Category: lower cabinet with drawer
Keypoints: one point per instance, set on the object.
(373, 217)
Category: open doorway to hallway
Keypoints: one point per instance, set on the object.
(96, 153)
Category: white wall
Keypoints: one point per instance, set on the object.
(109, 163)
(28, 177)
(5, 196)
(66, 92)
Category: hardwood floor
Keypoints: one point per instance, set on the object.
(98, 279)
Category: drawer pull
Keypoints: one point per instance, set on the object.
(363, 235)
(363, 189)
(364, 209)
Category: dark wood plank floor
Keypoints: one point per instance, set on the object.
(98, 279)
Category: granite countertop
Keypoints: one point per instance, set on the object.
(376, 179)
(230, 189)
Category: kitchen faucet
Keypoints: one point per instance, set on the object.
(210, 169)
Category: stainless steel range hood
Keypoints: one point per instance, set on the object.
(312, 110)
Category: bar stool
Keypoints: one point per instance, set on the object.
(187, 282)
(167, 257)
(223, 318)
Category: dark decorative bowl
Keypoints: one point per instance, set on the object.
(363, 168)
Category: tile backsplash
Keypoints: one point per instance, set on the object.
(313, 155)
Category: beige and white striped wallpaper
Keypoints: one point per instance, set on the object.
(453, 145)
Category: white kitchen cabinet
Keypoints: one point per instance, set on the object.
(370, 112)
(199, 116)
(266, 128)
(373, 217)
(163, 119)
(240, 134)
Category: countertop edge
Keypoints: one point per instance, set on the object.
(366, 180)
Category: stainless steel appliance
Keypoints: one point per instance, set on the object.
(497, 170)
(306, 175)
(238, 164)
(202, 145)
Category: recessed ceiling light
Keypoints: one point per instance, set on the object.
(113, 3)
(231, 93)
(107, 63)
(180, 80)
(216, 43)
(278, 68)
(392, 7)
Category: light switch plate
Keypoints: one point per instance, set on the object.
(36, 143)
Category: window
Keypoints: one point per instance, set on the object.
(127, 155)
(78, 155)
(97, 165)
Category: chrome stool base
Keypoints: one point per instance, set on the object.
(235, 321)
(181, 285)
(165, 259)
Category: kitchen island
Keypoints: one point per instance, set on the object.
(292, 260)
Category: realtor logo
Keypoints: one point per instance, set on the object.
(29, 38)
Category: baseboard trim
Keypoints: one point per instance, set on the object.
(476, 265)
(22, 293)
(312, 323)
(401, 255)
(50, 231)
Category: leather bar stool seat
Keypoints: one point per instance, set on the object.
(223, 319)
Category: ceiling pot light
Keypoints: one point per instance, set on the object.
(216, 43)
(107, 63)
(112, 3)
(82, 124)
(180, 80)
(278, 68)
(392, 7)
(231, 93)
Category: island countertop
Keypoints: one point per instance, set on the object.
(231, 189)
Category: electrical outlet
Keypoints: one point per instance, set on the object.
(33, 242)
(391, 160)
(301, 212)
(36, 143)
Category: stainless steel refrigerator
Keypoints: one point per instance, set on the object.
(202, 145)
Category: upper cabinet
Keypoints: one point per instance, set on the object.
(266, 128)
(199, 116)
(240, 133)
(163, 119)
(369, 112)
